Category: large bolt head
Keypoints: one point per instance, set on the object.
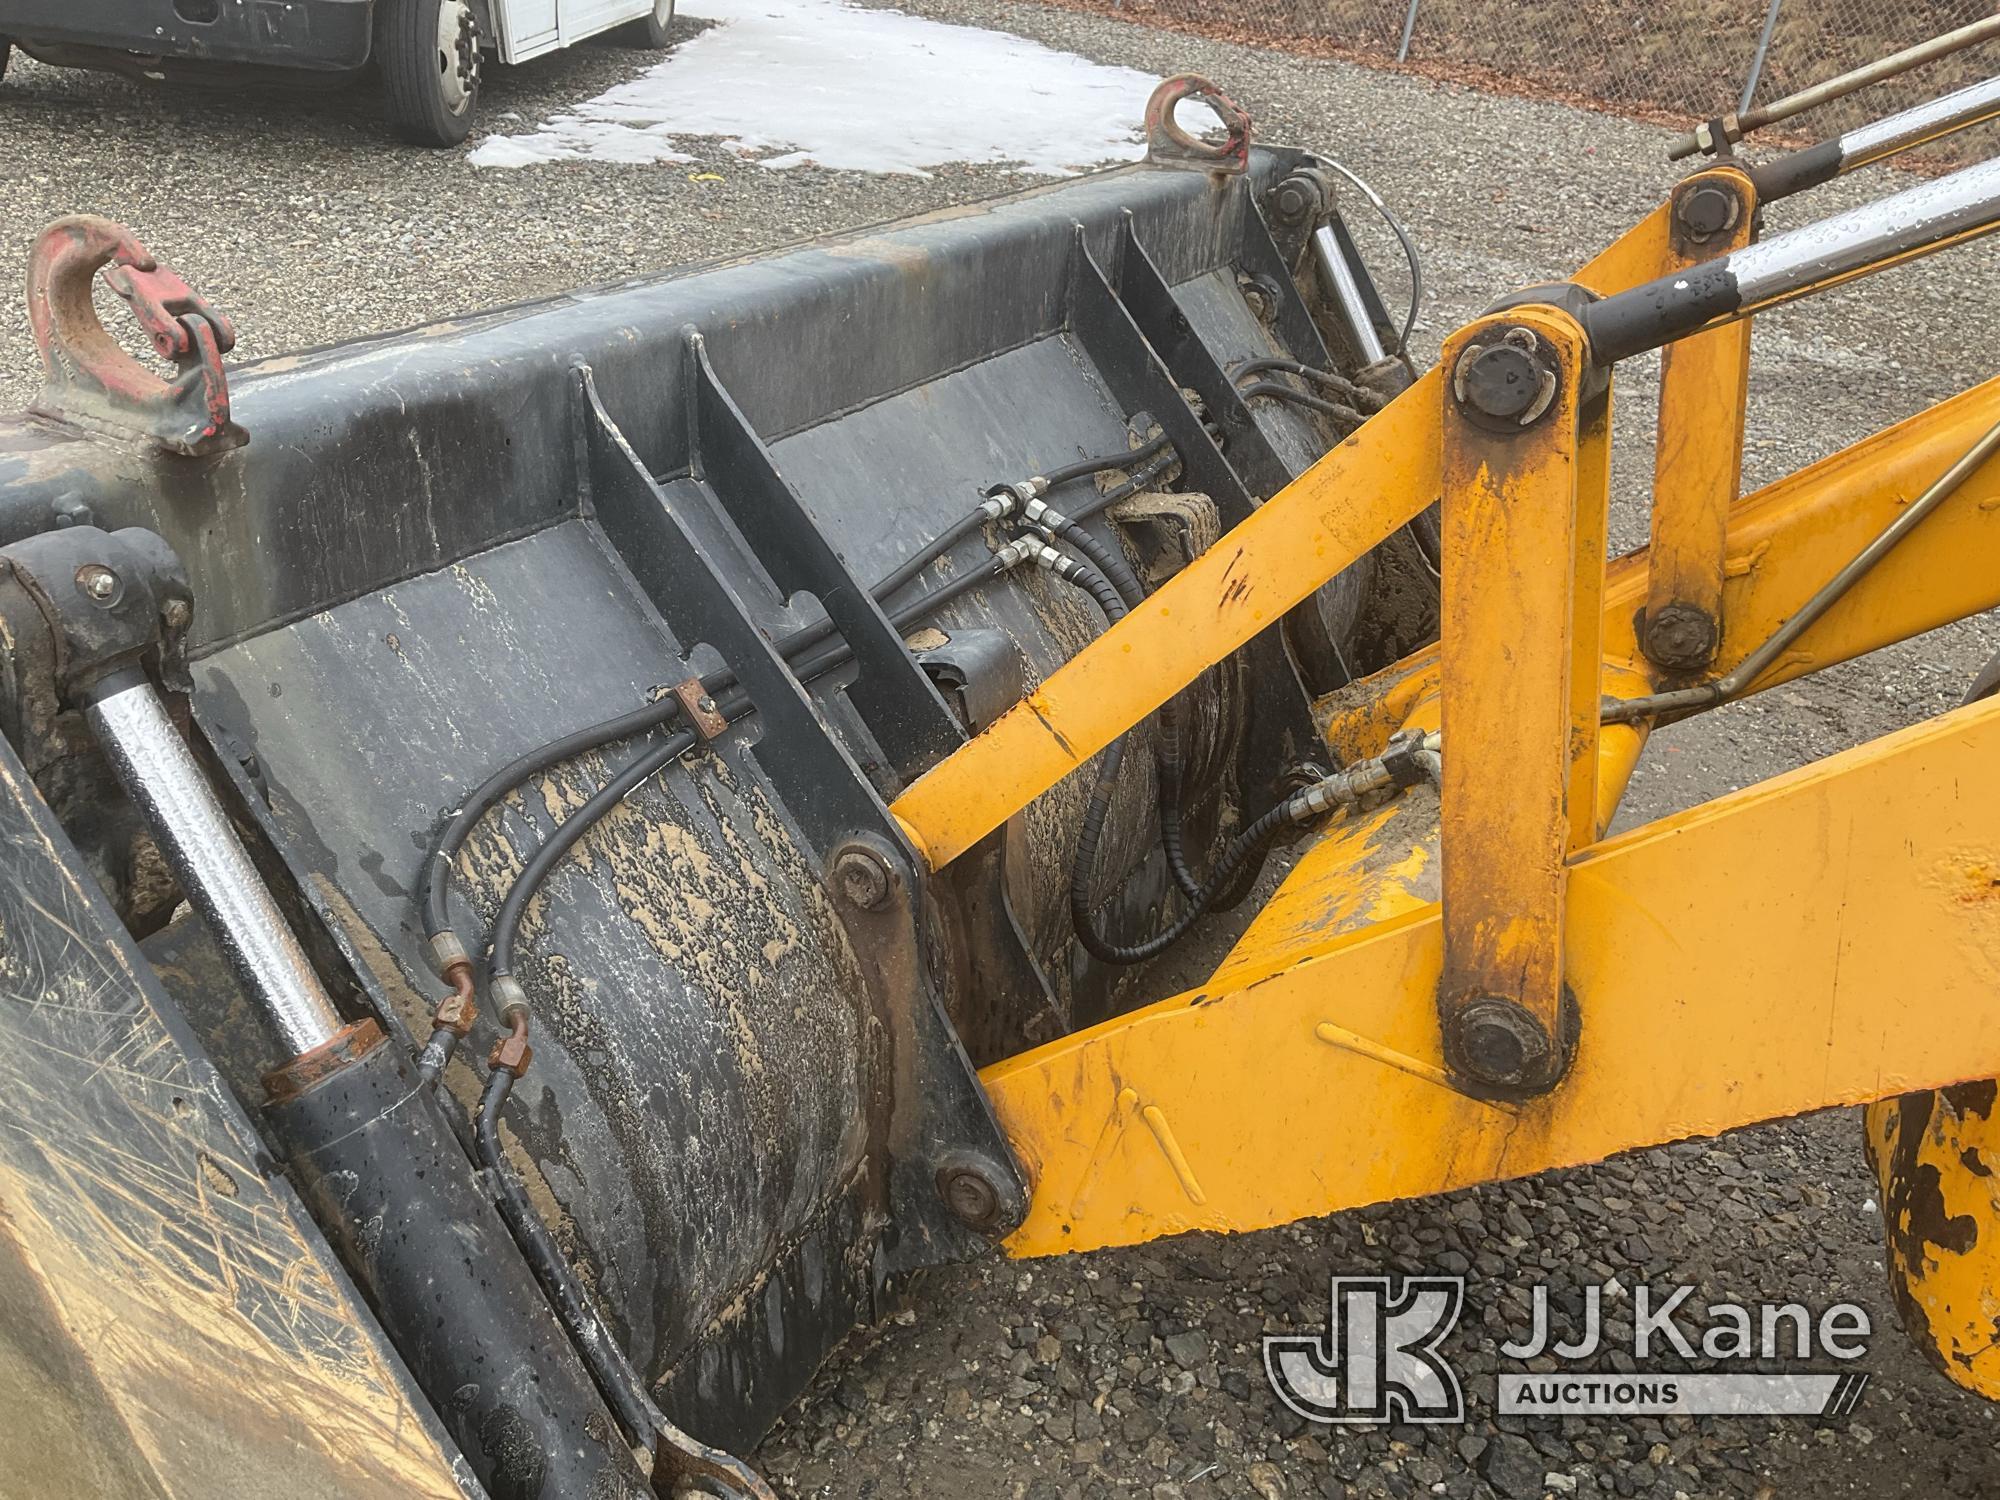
(973, 1200)
(1295, 198)
(1499, 1043)
(1707, 211)
(1680, 638)
(1501, 381)
(862, 877)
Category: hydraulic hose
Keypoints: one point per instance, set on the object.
(437, 865)
(1409, 253)
(1114, 602)
(1253, 841)
(625, 727)
(1087, 466)
(732, 706)
(1332, 380)
(1136, 481)
(451, 838)
(1339, 411)
(574, 827)
(1109, 560)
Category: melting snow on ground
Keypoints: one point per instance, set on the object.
(853, 89)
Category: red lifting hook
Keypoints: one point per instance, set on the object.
(93, 383)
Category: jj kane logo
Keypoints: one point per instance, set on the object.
(1378, 1360)
(1381, 1358)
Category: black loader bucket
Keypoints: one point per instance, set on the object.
(304, 670)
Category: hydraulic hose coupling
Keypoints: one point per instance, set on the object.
(1024, 549)
(452, 1019)
(1044, 517)
(448, 953)
(512, 1052)
(1004, 499)
(1063, 566)
(1411, 756)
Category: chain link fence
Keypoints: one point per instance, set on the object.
(1671, 60)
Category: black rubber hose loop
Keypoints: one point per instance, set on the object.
(1109, 559)
(1254, 841)
(1341, 413)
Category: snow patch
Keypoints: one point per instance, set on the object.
(852, 89)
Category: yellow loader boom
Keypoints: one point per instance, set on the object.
(1464, 960)
(544, 866)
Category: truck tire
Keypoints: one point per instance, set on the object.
(648, 31)
(429, 55)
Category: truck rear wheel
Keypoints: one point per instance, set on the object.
(429, 54)
(649, 31)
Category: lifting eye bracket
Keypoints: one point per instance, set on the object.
(1170, 144)
(92, 382)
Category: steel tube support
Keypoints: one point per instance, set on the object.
(1698, 457)
(1524, 505)
(1738, 126)
(1917, 221)
(166, 784)
(1346, 293)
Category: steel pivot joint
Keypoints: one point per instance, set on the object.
(1506, 382)
(78, 605)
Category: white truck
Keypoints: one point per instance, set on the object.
(428, 51)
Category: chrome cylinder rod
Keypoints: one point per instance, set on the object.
(1927, 217)
(1735, 127)
(166, 784)
(1902, 131)
(1346, 294)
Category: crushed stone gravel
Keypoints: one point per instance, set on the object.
(1137, 1372)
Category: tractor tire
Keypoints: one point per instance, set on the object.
(648, 31)
(429, 55)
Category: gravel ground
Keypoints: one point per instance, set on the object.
(1136, 1372)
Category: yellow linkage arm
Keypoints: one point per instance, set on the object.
(1825, 938)
(1350, 501)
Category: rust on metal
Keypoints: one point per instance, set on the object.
(703, 717)
(512, 1052)
(1170, 144)
(95, 384)
(346, 1047)
(458, 1010)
